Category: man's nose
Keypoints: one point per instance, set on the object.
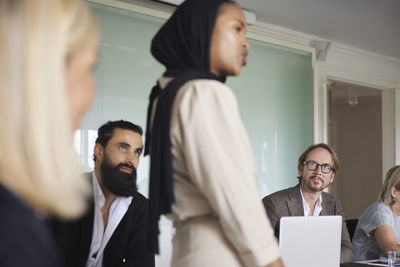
(132, 159)
(318, 169)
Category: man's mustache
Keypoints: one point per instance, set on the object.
(126, 165)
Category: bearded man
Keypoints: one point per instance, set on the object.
(113, 232)
(317, 167)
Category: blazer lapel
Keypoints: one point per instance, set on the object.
(86, 230)
(87, 226)
(294, 202)
(327, 206)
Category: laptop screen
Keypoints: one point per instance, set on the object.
(310, 241)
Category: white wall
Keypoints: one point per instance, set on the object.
(357, 139)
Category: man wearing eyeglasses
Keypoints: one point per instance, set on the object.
(317, 167)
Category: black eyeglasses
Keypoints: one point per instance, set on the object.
(312, 166)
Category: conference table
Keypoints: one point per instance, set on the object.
(354, 264)
(363, 264)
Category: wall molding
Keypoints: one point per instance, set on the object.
(343, 63)
(282, 36)
(146, 8)
(341, 58)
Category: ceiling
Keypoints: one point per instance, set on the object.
(372, 25)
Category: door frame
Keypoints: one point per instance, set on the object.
(390, 100)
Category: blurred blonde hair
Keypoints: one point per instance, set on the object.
(392, 180)
(37, 37)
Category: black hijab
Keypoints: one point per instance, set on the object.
(182, 45)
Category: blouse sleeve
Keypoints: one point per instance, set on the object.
(221, 165)
(378, 215)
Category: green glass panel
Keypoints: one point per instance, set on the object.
(274, 94)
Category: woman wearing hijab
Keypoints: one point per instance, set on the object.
(47, 51)
(203, 174)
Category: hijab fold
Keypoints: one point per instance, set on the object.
(182, 45)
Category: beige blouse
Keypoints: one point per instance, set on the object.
(219, 218)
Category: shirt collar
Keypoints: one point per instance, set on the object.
(318, 205)
(98, 195)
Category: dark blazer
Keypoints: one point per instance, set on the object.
(126, 247)
(25, 239)
(288, 202)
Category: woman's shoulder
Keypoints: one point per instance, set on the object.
(376, 209)
(205, 91)
(12, 205)
(24, 231)
(206, 87)
(20, 217)
(377, 206)
(204, 100)
(380, 206)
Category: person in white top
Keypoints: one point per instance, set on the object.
(317, 167)
(202, 171)
(114, 231)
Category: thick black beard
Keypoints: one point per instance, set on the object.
(117, 182)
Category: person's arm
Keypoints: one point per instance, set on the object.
(25, 240)
(277, 263)
(221, 165)
(272, 214)
(346, 253)
(385, 238)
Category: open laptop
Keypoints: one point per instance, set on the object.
(310, 241)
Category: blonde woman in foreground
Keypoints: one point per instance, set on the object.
(47, 51)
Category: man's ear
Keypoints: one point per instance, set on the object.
(99, 151)
(333, 177)
(300, 171)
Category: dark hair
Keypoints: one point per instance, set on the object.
(303, 157)
(105, 132)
